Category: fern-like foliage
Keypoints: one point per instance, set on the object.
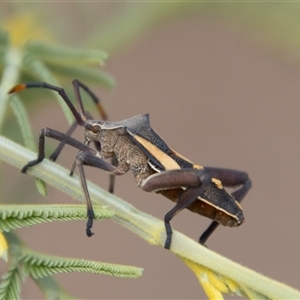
(65, 56)
(17, 216)
(24, 262)
(23, 58)
(40, 267)
(10, 286)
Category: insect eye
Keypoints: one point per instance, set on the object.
(95, 129)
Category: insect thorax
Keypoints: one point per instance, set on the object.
(129, 156)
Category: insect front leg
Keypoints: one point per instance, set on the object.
(194, 182)
(93, 160)
(57, 135)
(64, 139)
(229, 178)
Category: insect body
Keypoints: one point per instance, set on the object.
(134, 146)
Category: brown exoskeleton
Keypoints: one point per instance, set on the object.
(135, 146)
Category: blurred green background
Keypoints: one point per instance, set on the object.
(221, 84)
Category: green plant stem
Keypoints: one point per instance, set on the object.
(147, 227)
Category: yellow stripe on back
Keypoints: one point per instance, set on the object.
(217, 182)
(167, 162)
(198, 167)
(181, 156)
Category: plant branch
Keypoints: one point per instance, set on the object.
(150, 228)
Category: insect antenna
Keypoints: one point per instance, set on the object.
(77, 84)
(79, 116)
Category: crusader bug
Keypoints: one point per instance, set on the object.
(133, 145)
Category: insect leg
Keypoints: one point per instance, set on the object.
(70, 131)
(112, 178)
(229, 178)
(90, 159)
(59, 148)
(86, 156)
(54, 134)
(195, 182)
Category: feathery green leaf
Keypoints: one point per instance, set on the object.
(23, 121)
(4, 38)
(4, 42)
(12, 61)
(84, 74)
(40, 265)
(29, 142)
(63, 55)
(10, 285)
(17, 216)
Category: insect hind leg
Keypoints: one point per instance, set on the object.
(195, 182)
(229, 178)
